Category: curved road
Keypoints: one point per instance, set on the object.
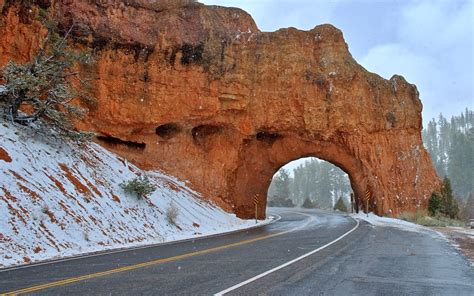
(333, 254)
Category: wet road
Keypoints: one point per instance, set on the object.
(365, 260)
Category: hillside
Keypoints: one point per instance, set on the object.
(58, 199)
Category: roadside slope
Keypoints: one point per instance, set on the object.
(58, 199)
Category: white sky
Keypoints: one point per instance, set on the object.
(429, 42)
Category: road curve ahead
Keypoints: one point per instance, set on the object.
(304, 253)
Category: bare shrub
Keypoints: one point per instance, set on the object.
(171, 214)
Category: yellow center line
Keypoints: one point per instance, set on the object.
(141, 265)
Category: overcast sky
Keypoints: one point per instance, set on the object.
(429, 42)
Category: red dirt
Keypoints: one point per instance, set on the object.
(50, 215)
(93, 219)
(96, 191)
(10, 199)
(16, 213)
(58, 184)
(18, 176)
(4, 155)
(115, 197)
(49, 236)
(79, 186)
(33, 194)
(61, 187)
(173, 187)
(8, 195)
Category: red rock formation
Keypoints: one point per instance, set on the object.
(199, 92)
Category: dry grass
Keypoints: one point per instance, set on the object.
(422, 218)
(172, 214)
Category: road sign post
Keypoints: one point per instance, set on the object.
(367, 197)
(255, 201)
(352, 202)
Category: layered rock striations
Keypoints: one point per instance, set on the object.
(199, 92)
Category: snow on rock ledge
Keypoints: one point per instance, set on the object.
(57, 200)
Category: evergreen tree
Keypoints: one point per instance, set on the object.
(444, 202)
(469, 207)
(282, 184)
(44, 87)
(308, 204)
(340, 205)
(461, 162)
(324, 192)
(451, 147)
(450, 205)
(318, 181)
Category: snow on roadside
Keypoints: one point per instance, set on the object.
(467, 232)
(393, 222)
(57, 200)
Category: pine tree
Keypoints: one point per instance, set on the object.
(340, 205)
(451, 147)
(45, 87)
(308, 204)
(450, 207)
(282, 184)
(469, 207)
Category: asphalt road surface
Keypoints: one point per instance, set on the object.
(304, 253)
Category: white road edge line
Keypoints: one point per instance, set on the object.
(285, 264)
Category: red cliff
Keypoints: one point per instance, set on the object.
(199, 92)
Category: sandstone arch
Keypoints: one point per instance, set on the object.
(245, 101)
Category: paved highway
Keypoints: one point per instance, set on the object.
(304, 253)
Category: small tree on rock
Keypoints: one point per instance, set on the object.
(45, 87)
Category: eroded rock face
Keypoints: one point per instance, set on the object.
(199, 92)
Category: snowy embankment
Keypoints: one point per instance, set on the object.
(58, 199)
(392, 222)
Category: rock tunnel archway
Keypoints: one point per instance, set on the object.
(255, 177)
(209, 98)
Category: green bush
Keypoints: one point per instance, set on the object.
(422, 218)
(444, 203)
(139, 186)
(340, 205)
(308, 204)
(435, 204)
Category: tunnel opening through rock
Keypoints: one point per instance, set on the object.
(114, 141)
(168, 131)
(311, 183)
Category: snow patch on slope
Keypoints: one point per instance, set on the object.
(58, 199)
